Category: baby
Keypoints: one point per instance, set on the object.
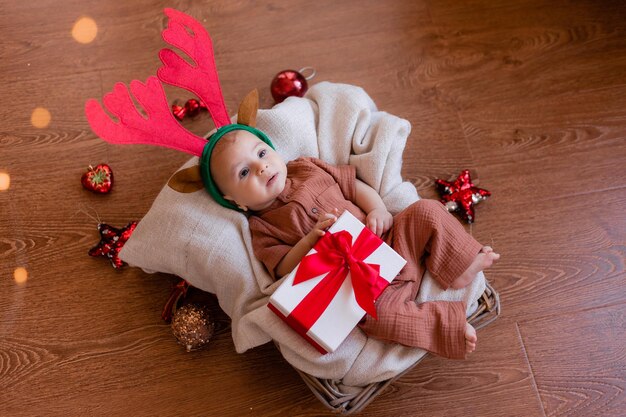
(291, 205)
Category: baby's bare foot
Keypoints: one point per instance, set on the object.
(483, 260)
(470, 338)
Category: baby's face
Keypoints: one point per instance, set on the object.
(248, 171)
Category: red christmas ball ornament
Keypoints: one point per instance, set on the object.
(179, 112)
(461, 195)
(290, 83)
(191, 108)
(98, 179)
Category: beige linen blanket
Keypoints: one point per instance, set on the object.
(193, 237)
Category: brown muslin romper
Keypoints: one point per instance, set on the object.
(424, 234)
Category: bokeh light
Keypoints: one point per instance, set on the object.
(20, 275)
(85, 30)
(5, 181)
(40, 117)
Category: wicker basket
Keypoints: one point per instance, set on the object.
(329, 391)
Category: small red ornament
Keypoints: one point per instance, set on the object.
(461, 195)
(112, 241)
(290, 83)
(191, 108)
(98, 179)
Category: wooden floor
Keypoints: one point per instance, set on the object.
(529, 95)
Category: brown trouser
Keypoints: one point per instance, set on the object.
(428, 237)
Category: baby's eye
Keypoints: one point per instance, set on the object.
(243, 173)
(262, 153)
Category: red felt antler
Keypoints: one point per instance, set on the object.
(200, 79)
(159, 128)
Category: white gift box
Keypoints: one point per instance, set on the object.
(343, 312)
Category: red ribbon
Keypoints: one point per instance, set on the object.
(336, 256)
(179, 291)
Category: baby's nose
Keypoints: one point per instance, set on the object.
(261, 168)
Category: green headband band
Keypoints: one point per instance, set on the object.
(205, 168)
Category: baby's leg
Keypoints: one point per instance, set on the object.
(426, 232)
(482, 261)
(438, 327)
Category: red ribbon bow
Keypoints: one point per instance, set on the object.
(336, 256)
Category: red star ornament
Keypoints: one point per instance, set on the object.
(112, 241)
(461, 195)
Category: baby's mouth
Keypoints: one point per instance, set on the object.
(271, 180)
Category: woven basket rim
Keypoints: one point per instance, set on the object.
(329, 391)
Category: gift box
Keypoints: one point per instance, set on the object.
(336, 283)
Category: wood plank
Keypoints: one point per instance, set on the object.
(530, 49)
(63, 97)
(588, 123)
(583, 373)
(142, 21)
(565, 252)
(494, 381)
(172, 372)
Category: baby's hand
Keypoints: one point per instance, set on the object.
(470, 338)
(379, 221)
(324, 221)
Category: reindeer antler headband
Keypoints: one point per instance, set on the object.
(160, 128)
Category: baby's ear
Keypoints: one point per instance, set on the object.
(231, 200)
(187, 180)
(248, 109)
